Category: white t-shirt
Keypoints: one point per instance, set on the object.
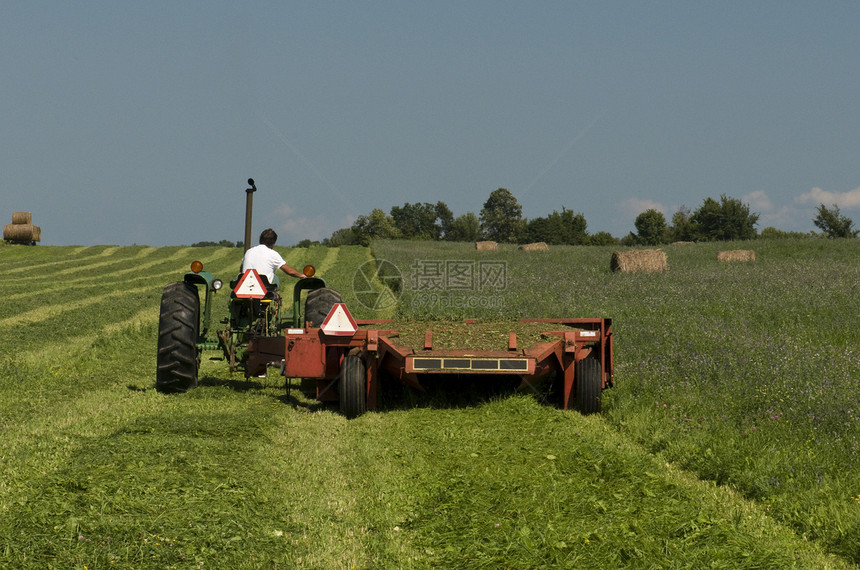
(264, 259)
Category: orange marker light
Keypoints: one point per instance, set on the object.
(196, 266)
(309, 270)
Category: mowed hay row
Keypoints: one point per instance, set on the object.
(648, 260)
(486, 246)
(537, 246)
(22, 233)
(22, 218)
(736, 255)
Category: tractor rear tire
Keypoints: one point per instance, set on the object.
(351, 386)
(178, 358)
(318, 303)
(588, 385)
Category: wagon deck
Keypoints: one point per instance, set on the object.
(580, 350)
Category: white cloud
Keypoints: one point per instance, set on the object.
(783, 218)
(850, 199)
(769, 214)
(295, 228)
(632, 207)
(758, 201)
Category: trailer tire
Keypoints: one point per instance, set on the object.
(318, 303)
(351, 386)
(588, 385)
(178, 358)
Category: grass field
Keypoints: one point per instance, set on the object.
(730, 441)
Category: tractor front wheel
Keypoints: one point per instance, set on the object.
(588, 385)
(351, 386)
(178, 323)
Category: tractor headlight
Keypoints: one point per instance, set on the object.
(216, 284)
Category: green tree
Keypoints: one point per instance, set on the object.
(538, 229)
(343, 236)
(222, 243)
(683, 228)
(565, 227)
(501, 217)
(378, 225)
(651, 227)
(773, 233)
(630, 240)
(444, 217)
(422, 220)
(602, 238)
(833, 223)
(729, 219)
(464, 228)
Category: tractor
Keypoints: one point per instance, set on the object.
(257, 317)
(343, 358)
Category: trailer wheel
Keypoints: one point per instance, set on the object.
(178, 362)
(318, 304)
(588, 385)
(351, 386)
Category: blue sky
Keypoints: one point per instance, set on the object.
(139, 122)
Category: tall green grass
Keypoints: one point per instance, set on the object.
(102, 471)
(745, 374)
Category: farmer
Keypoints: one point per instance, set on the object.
(265, 259)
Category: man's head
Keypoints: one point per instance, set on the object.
(268, 237)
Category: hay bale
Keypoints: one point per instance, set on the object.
(22, 218)
(650, 260)
(22, 233)
(736, 255)
(537, 246)
(486, 245)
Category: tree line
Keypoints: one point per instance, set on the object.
(726, 220)
(501, 220)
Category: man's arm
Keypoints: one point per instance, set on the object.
(291, 272)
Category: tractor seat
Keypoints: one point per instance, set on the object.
(266, 284)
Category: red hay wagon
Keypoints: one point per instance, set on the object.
(345, 360)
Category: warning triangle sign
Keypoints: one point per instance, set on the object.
(339, 321)
(250, 286)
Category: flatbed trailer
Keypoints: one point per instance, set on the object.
(346, 366)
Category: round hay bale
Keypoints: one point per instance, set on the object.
(486, 245)
(537, 246)
(736, 255)
(649, 260)
(22, 218)
(22, 233)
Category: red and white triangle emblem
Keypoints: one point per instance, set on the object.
(250, 286)
(339, 322)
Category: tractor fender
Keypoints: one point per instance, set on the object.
(202, 278)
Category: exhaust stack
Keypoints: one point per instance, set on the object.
(249, 208)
